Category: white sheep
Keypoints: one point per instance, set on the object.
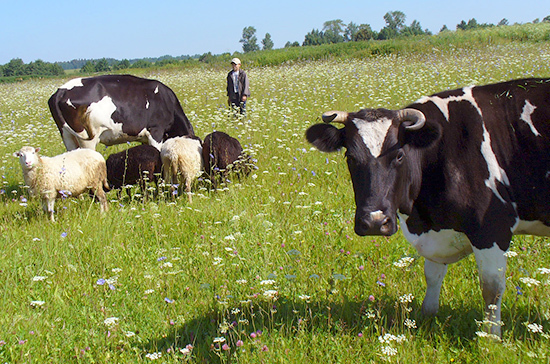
(67, 174)
(182, 161)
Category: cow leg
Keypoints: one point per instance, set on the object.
(69, 140)
(434, 274)
(491, 265)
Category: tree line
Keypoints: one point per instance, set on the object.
(336, 31)
(333, 31)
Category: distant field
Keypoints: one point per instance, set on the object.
(268, 269)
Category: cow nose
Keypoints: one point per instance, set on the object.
(375, 223)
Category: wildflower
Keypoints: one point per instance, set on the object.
(168, 300)
(411, 324)
(111, 321)
(267, 282)
(304, 297)
(37, 303)
(154, 356)
(253, 335)
(225, 347)
(510, 254)
(149, 291)
(39, 278)
(129, 333)
(544, 271)
(529, 281)
(219, 340)
(534, 328)
(242, 281)
(371, 298)
(270, 294)
(389, 351)
(64, 234)
(265, 348)
(406, 298)
(239, 343)
(404, 262)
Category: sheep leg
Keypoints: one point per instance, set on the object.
(188, 188)
(47, 205)
(100, 194)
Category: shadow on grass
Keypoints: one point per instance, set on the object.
(290, 319)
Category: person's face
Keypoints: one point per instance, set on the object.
(235, 66)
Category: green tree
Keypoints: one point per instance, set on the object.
(292, 44)
(503, 22)
(395, 21)
(546, 19)
(249, 40)
(414, 29)
(267, 43)
(122, 65)
(102, 66)
(15, 67)
(142, 64)
(333, 31)
(315, 37)
(365, 32)
(89, 67)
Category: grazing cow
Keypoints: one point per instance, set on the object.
(222, 154)
(464, 170)
(134, 165)
(114, 109)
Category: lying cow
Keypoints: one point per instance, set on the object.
(463, 170)
(114, 109)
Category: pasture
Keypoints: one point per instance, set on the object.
(266, 269)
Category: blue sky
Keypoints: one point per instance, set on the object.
(63, 30)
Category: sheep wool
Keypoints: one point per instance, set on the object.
(67, 174)
(182, 161)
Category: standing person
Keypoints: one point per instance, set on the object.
(237, 86)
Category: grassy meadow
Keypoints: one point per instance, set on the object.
(266, 269)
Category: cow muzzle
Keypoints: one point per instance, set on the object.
(375, 223)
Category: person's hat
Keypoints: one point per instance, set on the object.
(236, 61)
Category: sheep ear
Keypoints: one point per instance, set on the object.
(16, 154)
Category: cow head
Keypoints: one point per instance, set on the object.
(384, 152)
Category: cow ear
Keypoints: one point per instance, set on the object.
(425, 137)
(325, 137)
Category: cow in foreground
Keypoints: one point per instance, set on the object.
(463, 170)
(114, 109)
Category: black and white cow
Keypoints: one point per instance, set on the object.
(463, 170)
(114, 109)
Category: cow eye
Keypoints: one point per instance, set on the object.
(399, 157)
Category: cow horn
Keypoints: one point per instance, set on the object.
(416, 116)
(335, 116)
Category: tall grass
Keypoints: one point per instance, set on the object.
(266, 269)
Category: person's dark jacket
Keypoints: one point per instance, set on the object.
(244, 89)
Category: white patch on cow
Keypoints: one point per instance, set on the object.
(146, 137)
(445, 246)
(528, 110)
(157, 90)
(443, 103)
(377, 215)
(76, 82)
(496, 173)
(70, 104)
(147, 104)
(491, 264)
(373, 133)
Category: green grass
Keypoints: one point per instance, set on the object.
(175, 274)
